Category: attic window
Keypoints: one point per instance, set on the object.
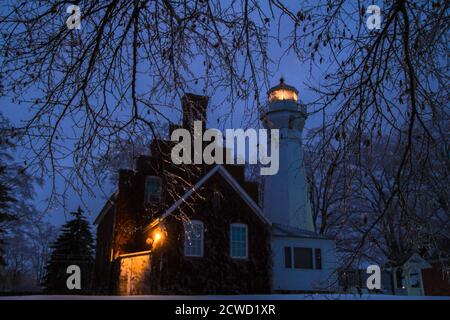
(153, 189)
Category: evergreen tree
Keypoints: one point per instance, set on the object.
(74, 246)
(5, 215)
(16, 189)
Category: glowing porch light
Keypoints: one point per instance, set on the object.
(157, 236)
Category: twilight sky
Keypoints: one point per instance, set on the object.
(289, 67)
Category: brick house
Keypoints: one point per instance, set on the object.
(192, 229)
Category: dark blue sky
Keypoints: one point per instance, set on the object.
(288, 66)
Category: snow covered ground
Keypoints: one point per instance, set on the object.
(229, 297)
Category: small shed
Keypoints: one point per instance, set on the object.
(406, 279)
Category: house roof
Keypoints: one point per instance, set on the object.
(411, 260)
(417, 261)
(280, 230)
(108, 205)
(233, 183)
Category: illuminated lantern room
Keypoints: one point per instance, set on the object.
(284, 109)
(283, 92)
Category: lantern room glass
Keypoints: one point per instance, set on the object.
(283, 94)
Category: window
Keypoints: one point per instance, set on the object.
(318, 258)
(287, 257)
(193, 239)
(152, 189)
(303, 258)
(238, 241)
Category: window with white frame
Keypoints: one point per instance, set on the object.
(239, 241)
(302, 258)
(193, 238)
(153, 189)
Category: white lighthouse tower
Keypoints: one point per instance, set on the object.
(302, 259)
(286, 194)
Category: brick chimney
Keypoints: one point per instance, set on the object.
(194, 108)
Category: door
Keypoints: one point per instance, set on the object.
(134, 274)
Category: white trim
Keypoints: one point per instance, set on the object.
(229, 178)
(187, 194)
(246, 241)
(134, 254)
(244, 195)
(194, 222)
(109, 203)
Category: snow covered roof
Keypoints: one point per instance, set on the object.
(280, 230)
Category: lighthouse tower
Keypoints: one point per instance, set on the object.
(286, 200)
(302, 259)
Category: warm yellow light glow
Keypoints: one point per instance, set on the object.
(282, 94)
(156, 237)
(134, 268)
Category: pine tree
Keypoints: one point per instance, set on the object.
(5, 200)
(74, 246)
